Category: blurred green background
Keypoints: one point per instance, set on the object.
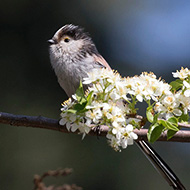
(133, 36)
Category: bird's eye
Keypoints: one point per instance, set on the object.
(66, 39)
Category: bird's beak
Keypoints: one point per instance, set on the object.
(51, 41)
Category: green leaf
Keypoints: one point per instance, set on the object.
(89, 98)
(71, 111)
(184, 118)
(156, 118)
(176, 85)
(162, 122)
(171, 126)
(173, 120)
(79, 107)
(80, 94)
(149, 114)
(154, 132)
(170, 134)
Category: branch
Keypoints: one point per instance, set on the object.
(53, 124)
(39, 184)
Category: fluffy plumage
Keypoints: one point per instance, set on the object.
(73, 54)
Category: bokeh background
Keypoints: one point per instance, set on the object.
(133, 36)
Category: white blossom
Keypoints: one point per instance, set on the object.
(92, 76)
(169, 105)
(185, 101)
(147, 87)
(95, 115)
(182, 74)
(187, 88)
(122, 136)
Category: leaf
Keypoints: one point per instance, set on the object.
(162, 122)
(149, 114)
(156, 118)
(71, 111)
(80, 94)
(154, 132)
(176, 85)
(173, 120)
(79, 107)
(89, 98)
(171, 126)
(170, 134)
(184, 118)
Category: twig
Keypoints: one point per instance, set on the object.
(40, 185)
(53, 124)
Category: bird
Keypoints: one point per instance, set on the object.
(72, 55)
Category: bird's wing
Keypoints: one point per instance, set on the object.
(101, 61)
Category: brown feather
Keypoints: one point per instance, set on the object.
(102, 61)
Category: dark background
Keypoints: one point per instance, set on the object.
(133, 36)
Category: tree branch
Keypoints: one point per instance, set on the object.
(53, 124)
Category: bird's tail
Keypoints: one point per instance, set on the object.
(160, 165)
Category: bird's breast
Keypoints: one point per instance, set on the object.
(70, 70)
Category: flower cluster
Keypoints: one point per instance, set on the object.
(146, 87)
(111, 100)
(177, 102)
(182, 74)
